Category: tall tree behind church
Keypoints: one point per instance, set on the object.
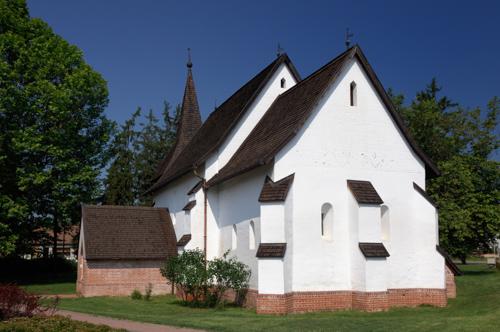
(137, 149)
(461, 142)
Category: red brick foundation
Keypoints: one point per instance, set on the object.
(297, 302)
(451, 288)
(120, 278)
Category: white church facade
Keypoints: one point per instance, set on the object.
(315, 184)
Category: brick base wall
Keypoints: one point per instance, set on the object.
(296, 302)
(451, 288)
(120, 278)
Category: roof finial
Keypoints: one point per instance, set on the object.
(348, 36)
(189, 63)
(279, 50)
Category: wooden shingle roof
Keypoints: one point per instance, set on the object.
(449, 262)
(189, 206)
(364, 192)
(184, 240)
(219, 124)
(373, 250)
(289, 112)
(127, 232)
(275, 191)
(271, 250)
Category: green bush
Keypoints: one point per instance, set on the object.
(136, 295)
(52, 324)
(200, 283)
(149, 290)
(188, 272)
(227, 273)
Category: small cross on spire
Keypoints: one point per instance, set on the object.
(279, 50)
(189, 63)
(348, 36)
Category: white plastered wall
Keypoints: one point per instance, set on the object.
(340, 142)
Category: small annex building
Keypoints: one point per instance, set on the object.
(122, 249)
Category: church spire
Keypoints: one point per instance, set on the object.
(189, 117)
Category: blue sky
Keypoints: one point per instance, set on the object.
(140, 46)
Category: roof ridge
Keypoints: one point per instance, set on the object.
(318, 71)
(272, 67)
(118, 207)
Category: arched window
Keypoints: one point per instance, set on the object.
(234, 238)
(326, 221)
(283, 83)
(251, 236)
(386, 227)
(353, 94)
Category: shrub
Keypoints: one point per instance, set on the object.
(16, 302)
(136, 295)
(188, 272)
(52, 324)
(196, 281)
(227, 274)
(149, 290)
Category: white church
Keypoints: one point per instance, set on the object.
(315, 184)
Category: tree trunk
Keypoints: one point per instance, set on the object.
(463, 259)
(54, 239)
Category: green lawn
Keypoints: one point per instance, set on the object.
(65, 287)
(477, 308)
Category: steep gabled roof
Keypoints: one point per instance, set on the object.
(289, 112)
(188, 124)
(219, 124)
(127, 232)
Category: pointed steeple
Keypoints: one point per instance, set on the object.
(189, 118)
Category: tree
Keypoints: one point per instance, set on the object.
(136, 151)
(460, 141)
(54, 133)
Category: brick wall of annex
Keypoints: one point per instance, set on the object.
(120, 278)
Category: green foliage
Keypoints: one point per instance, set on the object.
(136, 295)
(149, 291)
(137, 149)
(53, 131)
(460, 141)
(52, 324)
(196, 280)
(227, 273)
(188, 272)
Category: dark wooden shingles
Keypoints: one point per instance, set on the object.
(271, 250)
(219, 124)
(196, 187)
(189, 206)
(184, 240)
(364, 192)
(449, 262)
(424, 194)
(275, 191)
(120, 232)
(373, 249)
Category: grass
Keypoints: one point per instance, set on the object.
(52, 324)
(64, 287)
(477, 308)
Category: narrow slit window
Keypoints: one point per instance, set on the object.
(353, 94)
(326, 221)
(283, 83)
(234, 238)
(251, 235)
